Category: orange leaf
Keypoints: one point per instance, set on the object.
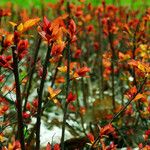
(62, 69)
(144, 67)
(75, 75)
(20, 27)
(60, 80)
(53, 93)
(133, 63)
(123, 56)
(82, 71)
(138, 96)
(107, 129)
(12, 23)
(31, 22)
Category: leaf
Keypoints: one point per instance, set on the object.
(64, 16)
(140, 65)
(133, 63)
(107, 129)
(144, 68)
(53, 93)
(71, 97)
(31, 22)
(143, 47)
(13, 23)
(20, 27)
(90, 137)
(42, 33)
(75, 75)
(82, 71)
(60, 80)
(48, 147)
(56, 146)
(62, 69)
(138, 96)
(124, 57)
(1, 138)
(46, 21)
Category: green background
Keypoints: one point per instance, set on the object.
(132, 3)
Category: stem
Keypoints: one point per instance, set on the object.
(46, 103)
(121, 90)
(2, 49)
(18, 98)
(133, 51)
(40, 93)
(2, 45)
(67, 92)
(113, 1)
(56, 72)
(67, 86)
(110, 36)
(32, 71)
(78, 110)
(83, 89)
(31, 137)
(101, 80)
(0, 21)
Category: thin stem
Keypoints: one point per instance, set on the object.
(14, 87)
(101, 80)
(67, 85)
(110, 36)
(45, 105)
(78, 105)
(40, 93)
(3, 128)
(56, 72)
(83, 89)
(18, 98)
(2, 45)
(133, 51)
(67, 92)
(2, 49)
(32, 71)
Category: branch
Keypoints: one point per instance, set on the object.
(110, 38)
(67, 91)
(67, 86)
(18, 98)
(40, 93)
(32, 71)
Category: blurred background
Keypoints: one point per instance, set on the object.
(37, 3)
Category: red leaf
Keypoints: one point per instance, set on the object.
(107, 130)
(48, 147)
(90, 137)
(82, 71)
(71, 97)
(56, 147)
